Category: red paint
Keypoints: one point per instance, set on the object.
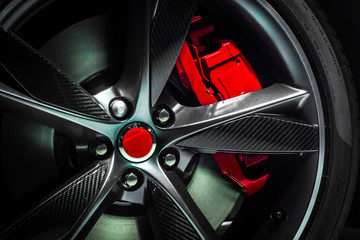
(253, 161)
(227, 51)
(137, 142)
(198, 29)
(230, 166)
(229, 74)
(196, 18)
(191, 78)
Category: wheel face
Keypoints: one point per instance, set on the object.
(187, 154)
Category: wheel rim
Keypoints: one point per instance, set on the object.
(280, 36)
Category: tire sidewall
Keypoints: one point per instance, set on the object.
(341, 127)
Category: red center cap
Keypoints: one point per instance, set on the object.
(137, 142)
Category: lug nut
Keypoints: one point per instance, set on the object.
(101, 149)
(130, 180)
(119, 108)
(170, 160)
(163, 116)
(278, 215)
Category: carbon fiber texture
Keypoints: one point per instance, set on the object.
(257, 133)
(41, 79)
(173, 224)
(53, 218)
(169, 28)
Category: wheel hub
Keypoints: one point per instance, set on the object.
(137, 142)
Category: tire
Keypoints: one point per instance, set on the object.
(324, 50)
(308, 192)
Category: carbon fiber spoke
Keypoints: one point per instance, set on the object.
(154, 38)
(176, 215)
(136, 59)
(278, 98)
(260, 134)
(42, 79)
(66, 211)
(74, 126)
(169, 28)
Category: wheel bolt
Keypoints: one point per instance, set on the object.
(119, 108)
(101, 149)
(278, 216)
(170, 160)
(130, 180)
(163, 116)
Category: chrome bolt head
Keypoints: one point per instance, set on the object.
(130, 180)
(119, 108)
(170, 160)
(163, 116)
(101, 149)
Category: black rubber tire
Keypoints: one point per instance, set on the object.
(339, 99)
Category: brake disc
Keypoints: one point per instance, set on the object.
(36, 142)
(215, 196)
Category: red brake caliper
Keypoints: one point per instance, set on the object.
(220, 75)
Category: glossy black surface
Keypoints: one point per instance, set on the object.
(42, 79)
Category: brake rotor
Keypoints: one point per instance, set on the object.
(215, 196)
(82, 51)
(36, 142)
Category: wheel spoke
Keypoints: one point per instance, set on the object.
(260, 134)
(136, 58)
(175, 213)
(170, 26)
(66, 122)
(42, 79)
(279, 98)
(70, 208)
(151, 50)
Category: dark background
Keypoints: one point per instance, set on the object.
(345, 18)
(344, 15)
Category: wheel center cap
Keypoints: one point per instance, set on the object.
(137, 142)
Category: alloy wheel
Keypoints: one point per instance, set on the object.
(133, 141)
